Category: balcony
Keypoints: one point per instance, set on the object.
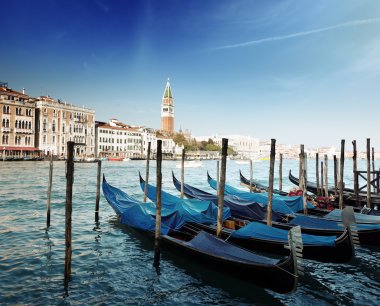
(24, 131)
(6, 129)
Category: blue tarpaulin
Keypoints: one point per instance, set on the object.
(169, 201)
(281, 204)
(264, 232)
(324, 224)
(142, 215)
(239, 208)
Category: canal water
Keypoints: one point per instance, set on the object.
(113, 265)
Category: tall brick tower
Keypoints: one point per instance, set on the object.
(167, 110)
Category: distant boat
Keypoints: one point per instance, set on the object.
(126, 159)
(115, 158)
(242, 162)
(246, 161)
(191, 164)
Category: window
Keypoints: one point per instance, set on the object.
(30, 125)
(44, 139)
(63, 128)
(53, 139)
(7, 125)
(44, 125)
(16, 124)
(53, 126)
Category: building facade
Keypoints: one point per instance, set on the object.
(58, 122)
(17, 113)
(167, 110)
(117, 139)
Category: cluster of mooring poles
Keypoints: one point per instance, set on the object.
(68, 206)
(322, 186)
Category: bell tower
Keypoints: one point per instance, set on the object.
(167, 110)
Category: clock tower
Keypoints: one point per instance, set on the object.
(167, 110)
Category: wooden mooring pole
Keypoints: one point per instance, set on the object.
(147, 172)
(373, 167)
(68, 209)
(221, 187)
(304, 180)
(250, 175)
(369, 173)
(271, 180)
(341, 172)
(157, 233)
(356, 177)
(280, 174)
(317, 173)
(301, 155)
(335, 176)
(217, 177)
(326, 175)
(322, 188)
(99, 174)
(49, 191)
(182, 172)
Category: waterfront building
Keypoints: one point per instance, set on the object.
(167, 110)
(244, 146)
(117, 139)
(329, 151)
(17, 113)
(58, 122)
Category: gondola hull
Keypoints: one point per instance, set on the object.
(278, 275)
(343, 250)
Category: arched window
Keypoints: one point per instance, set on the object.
(19, 124)
(4, 109)
(30, 125)
(16, 124)
(44, 125)
(23, 125)
(7, 123)
(3, 124)
(53, 126)
(63, 128)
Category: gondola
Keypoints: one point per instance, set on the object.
(278, 275)
(258, 187)
(369, 234)
(349, 197)
(361, 216)
(259, 236)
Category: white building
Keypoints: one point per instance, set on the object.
(116, 139)
(245, 146)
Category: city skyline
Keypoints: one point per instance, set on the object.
(250, 68)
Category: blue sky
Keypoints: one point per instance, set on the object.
(298, 71)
